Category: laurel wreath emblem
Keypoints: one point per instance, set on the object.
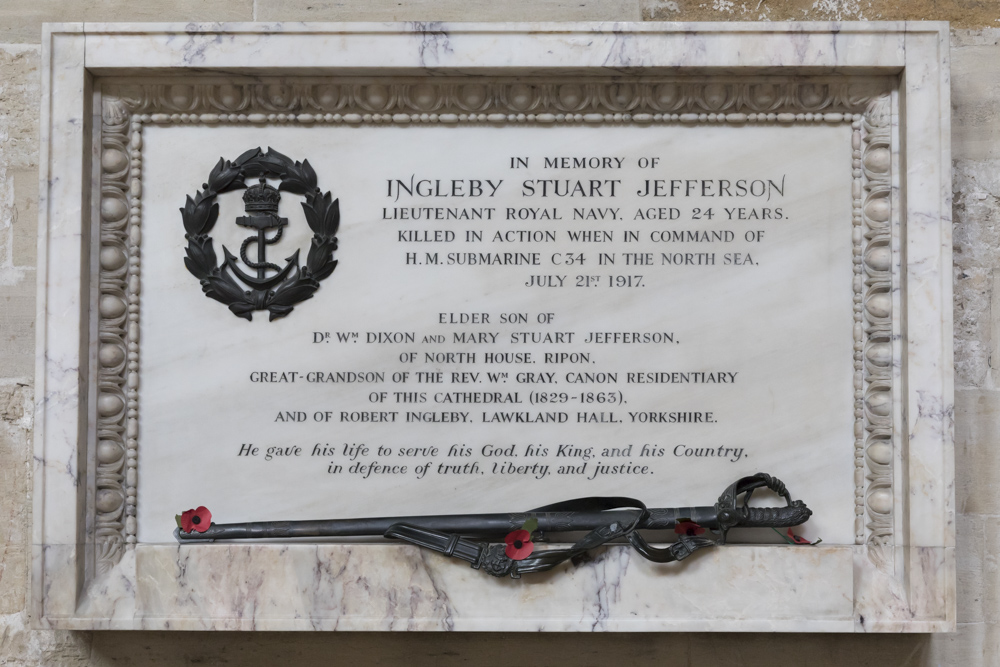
(201, 212)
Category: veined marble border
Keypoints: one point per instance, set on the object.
(84, 573)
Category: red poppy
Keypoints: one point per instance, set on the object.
(519, 545)
(689, 528)
(196, 520)
(798, 539)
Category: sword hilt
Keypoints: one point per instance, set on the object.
(730, 515)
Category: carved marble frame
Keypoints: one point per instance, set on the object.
(888, 86)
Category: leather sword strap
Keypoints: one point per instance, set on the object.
(493, 559)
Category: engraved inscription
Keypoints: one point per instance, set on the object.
(496, 366)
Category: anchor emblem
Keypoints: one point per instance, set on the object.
(273, 288)
(261, 204)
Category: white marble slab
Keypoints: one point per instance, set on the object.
(885, 501)
(777, 326)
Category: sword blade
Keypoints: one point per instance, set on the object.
(479, 525)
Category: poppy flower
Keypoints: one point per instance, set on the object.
(519, 545)
(798, 539)
(689, 528)
(196, 520)
(792, 538)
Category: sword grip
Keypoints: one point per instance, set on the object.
(775, 517)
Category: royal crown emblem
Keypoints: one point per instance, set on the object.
(273, 288)
(261, 198)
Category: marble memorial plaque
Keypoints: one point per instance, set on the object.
(479, 271)
(511, 319)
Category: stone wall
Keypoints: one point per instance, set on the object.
(976, 160)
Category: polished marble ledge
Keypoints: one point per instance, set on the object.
(386, 587)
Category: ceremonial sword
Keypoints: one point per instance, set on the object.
(605, 519)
